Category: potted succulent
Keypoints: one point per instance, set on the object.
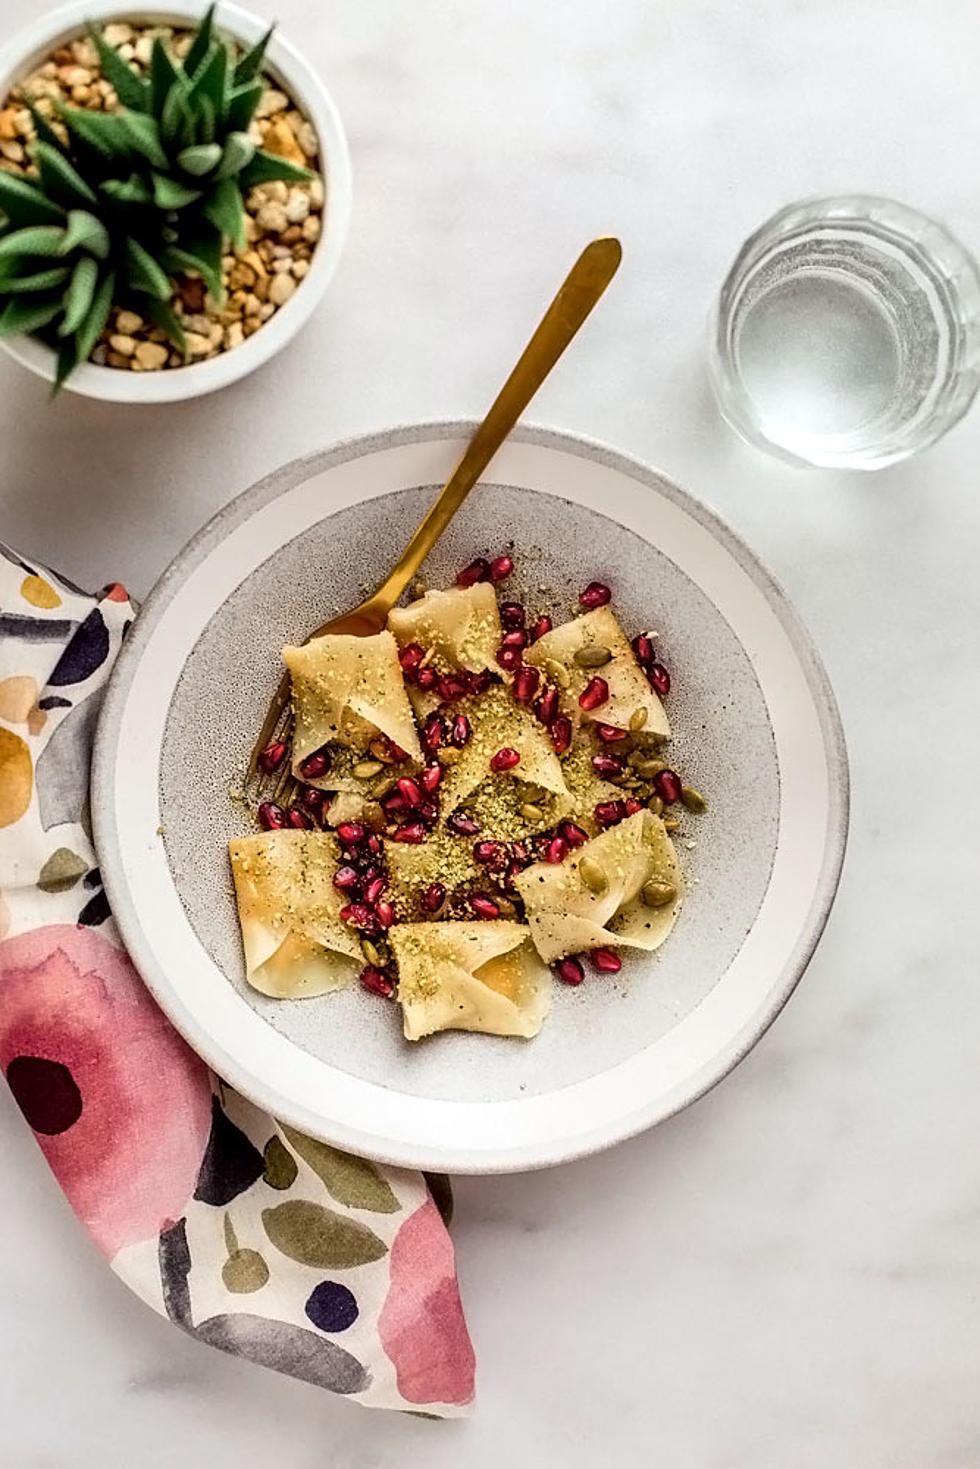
(175, 192)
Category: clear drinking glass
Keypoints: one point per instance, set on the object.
(847, 333)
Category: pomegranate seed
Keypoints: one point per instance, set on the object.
(609, 734)
(543, 625)
(431, 778)
(491, 854)
(478, 683)
(607, 961)
(515, 638)
(426, 678)
(561, 733)
(548, 705)
(359, 916)
(667, 785)
(410, 790)
(484, 907)
(410, 657)
(433, 897)
(501, 568)
(478, 570)
(413, 833)
(463, 825)
(643, 648)
(428, 812)
(607, 813)
(460, 731)
(299, 819)
(374, 889)
(384, 912)
(373, 845)
(596, 692)
(519, 854)
(369, 873)
(394, 802)
(633, 805)
(313, 800)
(608, 764)
(556, 851)
(271, 816)
(315, 765)
(395, 752)
(346, 879)
(377, 982)
(272, 757)
(569, 971)
(509, 658)
(574, 835)
(351, 833)
(450, 687)
(658, 679)
(596, 594)
(512, 614)
(434, 733)
(526, 681)
(504, 759)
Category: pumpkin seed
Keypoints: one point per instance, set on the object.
(593, 876)
(647, 767)
(655, 805)
(374, 816)
(658, 894)
(593, 655)
(372, 954)
(671, 823)
(381, 752)
(364, 769)
(530, 812)
(448, 754)
(638, 719)
(692, 799)
(387, 783)
(557, 672)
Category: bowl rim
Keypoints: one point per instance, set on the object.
(112, 384)
(513, 1158)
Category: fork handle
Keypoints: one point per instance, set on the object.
(578, 293)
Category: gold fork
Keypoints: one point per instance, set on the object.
(578, 293)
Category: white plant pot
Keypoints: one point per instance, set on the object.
(31, 46)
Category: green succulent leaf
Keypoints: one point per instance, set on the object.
(87, 233)
(131, 89)
(142, 271)
(163, 315)
(265, 167)
(97, 316)
(211, 84)
(42, 127)
(200, 252)
(201, 44)
(248, 66)
(176, 119)
(242, 102)
(200, 159)
(33, 240)
(28, 314)
(102, 132)
(25, 204)
(143, 135)
(238, 151)
(224, 208)
(42, 280)
(61, 180)
(79, 295)
(67, 361)
(163, 75)
(133, 190)
(206, 124)
(170, 194)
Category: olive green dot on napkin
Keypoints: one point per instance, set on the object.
(61, 871)
(351, 1181)
(280, 1165)
(317, 1236)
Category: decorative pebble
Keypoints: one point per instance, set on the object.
(198, 345)
(272, 217)
(281, 289)
(128, 322)
(311, 228)
(271, 102)
(150, 355)
(124, 345)
(297, 206)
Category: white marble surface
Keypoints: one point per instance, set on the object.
(785, 1277)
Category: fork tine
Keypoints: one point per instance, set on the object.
(280, 700)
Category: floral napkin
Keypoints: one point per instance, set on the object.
(248, 1235)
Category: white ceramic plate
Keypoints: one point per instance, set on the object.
(756, 729)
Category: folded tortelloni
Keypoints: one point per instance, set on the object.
(568, 913)
(496, 723)
(481, 976)
(345, 691)
(294, 940)
(628, 687)
(460, 627)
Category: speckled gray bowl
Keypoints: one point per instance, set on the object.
(755, 728)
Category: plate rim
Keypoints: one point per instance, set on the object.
(295, 472)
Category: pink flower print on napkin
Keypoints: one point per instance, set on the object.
(120, 1105)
